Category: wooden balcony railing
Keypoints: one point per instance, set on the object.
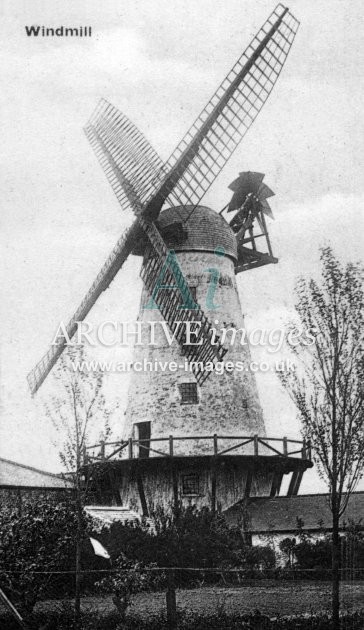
(216, 445)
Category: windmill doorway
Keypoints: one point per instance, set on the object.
(142, 431)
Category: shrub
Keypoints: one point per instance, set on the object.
(186, 537)
(34, 545)
(130, 577)
(261, 557)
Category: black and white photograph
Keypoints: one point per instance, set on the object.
(182, 353)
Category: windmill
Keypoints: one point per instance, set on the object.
(143, 183)
(166, 198)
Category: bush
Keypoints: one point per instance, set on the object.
(261, 557)
(315, 554)
(186, 537)
(37, 552)
(34, 543)
(130, 577)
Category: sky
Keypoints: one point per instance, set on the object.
(159, 61)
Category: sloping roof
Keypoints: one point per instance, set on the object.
(13, 474)
(280, 514)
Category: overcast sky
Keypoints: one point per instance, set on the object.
(159, 61)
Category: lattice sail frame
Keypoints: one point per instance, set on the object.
(107, 273)
(192, 167)
(219, 128)
(130, 163)
(199, 157)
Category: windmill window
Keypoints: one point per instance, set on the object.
(190, 484)
(189, 393)
(245, 403)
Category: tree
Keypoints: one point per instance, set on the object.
(314, 553)
(78, 404)
(34, 544)
(327, 386)
(261, 557)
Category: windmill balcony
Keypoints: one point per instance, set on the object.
(214, 445)
(216, 471)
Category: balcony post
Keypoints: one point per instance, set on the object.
(285, 448)
(130, 448)
(102, 449)
(256, 446)
(215, 443)
(304, 450)
(171, 445)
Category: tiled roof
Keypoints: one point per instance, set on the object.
(280, 514)
(18, 475)
(205, 230)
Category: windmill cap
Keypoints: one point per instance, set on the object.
(190, 228)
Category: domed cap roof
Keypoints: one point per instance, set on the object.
(185, 228)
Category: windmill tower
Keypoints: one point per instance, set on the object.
(192, 433)
(170, 401)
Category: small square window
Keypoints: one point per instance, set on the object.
(189, 393)
(190, 484)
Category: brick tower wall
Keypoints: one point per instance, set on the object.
(228, 403)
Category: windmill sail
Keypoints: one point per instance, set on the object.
(216, 133)
(213, 137)
(108, 271)
(123, 187)
(124, 153)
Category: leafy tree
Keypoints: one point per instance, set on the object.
(260, 557)
(314, 553)
(77, 410)
(34, 544)
(328, 389)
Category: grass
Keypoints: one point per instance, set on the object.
(272, 599)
